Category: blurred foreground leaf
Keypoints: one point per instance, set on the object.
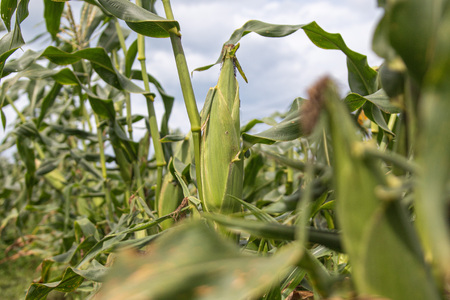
(376, 230)
(193, 262)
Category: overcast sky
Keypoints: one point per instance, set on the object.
(278, 69)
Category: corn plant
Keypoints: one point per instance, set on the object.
(336, 199)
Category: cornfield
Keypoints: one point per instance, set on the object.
(339, 197)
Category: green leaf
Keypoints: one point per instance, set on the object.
(27, 155)
(95, 272)
(21, 63)
(293, 281)
(3, 119)
(8, 7)
(27, 129)
(9, 43)
(361, 77)
(261, 28)
(100, 60)
(85, 228)
(376, 232)
(173, 138)
(375, 115)
(52, 14)
(432, 198)
(129, 59)
(22, 11)
(193, 261)
(103, 107)
(253, 166)
(391, 225)
(68, 131)
(379, 99)
(250, 125)
(109, 39)
(69, 282)
(354, 101)
(101, 63)
(87, 166)
(47, 166)
(287, 130)
(48, 101)
(139, 19)
(120, 140)
(258, 213)
(63, 76)
(416, 50)
(114, 239)
(276, 231)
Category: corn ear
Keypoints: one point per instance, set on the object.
(171, 191)
(170, 198)
(221, 155)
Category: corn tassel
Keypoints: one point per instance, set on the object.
(221, 156)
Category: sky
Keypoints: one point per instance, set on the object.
(278, 69)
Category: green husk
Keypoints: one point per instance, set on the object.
(221, 156)
(171, 197)
(171, 190)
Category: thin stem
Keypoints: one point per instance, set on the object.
(103, 165)
(23, 119)
(129, 121)
(141, 194)
(290, 174)
(391, 123)
(127, 95)
(391, 157)
(21, 116)
(159, 154)
(188, 95)
(410, 99)
(121, 37)
(325, 146)
(136, 168)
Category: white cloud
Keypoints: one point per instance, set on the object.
(278, 69)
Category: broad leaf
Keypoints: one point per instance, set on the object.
(277, 231)
(361, 77)
(8, 7)
(52, 14)
(69, 282)
(139, 19)
(261, 28)
(195, 262)
(379, 99)
(286, 130)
